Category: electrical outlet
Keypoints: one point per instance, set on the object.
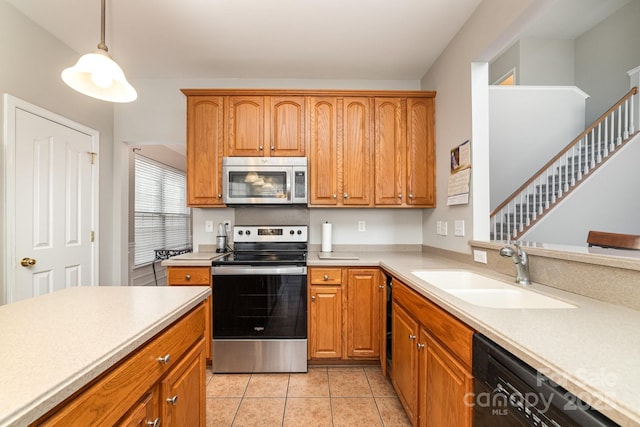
(208, 226)
(362, 226)
(227, 225)
(444, 228)
(479, 256)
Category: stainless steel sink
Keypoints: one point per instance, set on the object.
(488, 292)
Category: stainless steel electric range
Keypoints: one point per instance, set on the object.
(260, 301)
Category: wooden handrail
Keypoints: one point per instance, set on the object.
(629, 94)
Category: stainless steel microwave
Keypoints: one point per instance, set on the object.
(264, 180)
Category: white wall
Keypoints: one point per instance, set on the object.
(604, 55)
(528, 126)
(30, 65)
(491, 28)
(546, 62)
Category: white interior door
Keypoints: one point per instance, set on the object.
(55, 204)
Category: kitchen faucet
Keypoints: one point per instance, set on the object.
(521, 260)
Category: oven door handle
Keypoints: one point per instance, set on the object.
(246, 270)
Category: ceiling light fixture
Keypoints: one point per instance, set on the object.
(97, 74)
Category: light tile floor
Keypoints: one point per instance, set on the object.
(334, 396)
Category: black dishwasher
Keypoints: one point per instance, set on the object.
(508, 392)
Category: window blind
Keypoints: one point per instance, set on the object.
(162, 219)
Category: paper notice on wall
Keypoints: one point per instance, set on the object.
(458, 185)
(458, 188)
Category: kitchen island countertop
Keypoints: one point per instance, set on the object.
(592, 351)
(53, 345)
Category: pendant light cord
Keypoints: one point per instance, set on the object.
(102, 45)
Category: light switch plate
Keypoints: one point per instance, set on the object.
(208, 226)
(459, 227)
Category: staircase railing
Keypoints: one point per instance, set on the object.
(560, 175)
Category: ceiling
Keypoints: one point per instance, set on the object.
(305, 39)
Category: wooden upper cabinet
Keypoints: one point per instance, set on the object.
(355, 161)
(266, 126)
(245, 123)
(389, 148)
(340, 151)
(323, 151)
(205, 142)
(421, 164)
(287, 126)
(364, 149)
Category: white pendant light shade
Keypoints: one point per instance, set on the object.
(97, 75)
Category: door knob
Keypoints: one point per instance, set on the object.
(27, 262)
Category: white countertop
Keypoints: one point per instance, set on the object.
(52, 345)
(192, 259)
(593, 350)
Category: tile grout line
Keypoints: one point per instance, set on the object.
(375, 402)
(286, 399)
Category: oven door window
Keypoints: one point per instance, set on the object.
(262, 306)
(262, 185)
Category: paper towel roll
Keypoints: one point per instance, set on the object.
(326, 237)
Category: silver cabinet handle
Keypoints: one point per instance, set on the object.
(381, 286)
(219, 196)
(345, 195)
(410, 196)
(326, 277)
(273, 148)
(412, 337)
(420, 346)
(154, 423)
(313, 297)
(335, 196)
(187, 277)
(260, 148)
(400, 196)
(172, 400)
(164, 359)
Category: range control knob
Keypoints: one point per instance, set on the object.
(291, 232)
(247, 232)
(240, 232)
(299, 232)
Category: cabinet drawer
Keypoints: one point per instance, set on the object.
(189, 276)
(449, 331)
(325, 276)
(106, 400)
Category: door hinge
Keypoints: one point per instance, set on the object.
(92, 235)
(92, 157)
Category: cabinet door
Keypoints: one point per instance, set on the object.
(421, 178)
(325, 322)
(356, 164)
(389, 148)
(246, 116)
(183, 391)
(286, 123)
(404, 333)
(144, 414)
(323, 151)
(363, 313)
(445, 387)
(205, 142)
